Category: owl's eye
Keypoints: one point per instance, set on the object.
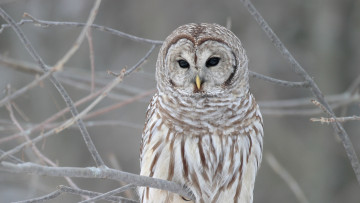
(183, 64)
(213, 61)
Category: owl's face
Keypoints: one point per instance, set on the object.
(202, 60)
(203, 69)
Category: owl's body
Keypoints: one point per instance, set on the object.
(203, 128)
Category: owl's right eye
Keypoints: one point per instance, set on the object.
(183, 64)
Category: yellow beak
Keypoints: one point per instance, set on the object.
(198, 82)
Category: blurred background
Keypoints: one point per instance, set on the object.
(323, 35)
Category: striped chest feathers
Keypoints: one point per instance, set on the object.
(204, 152)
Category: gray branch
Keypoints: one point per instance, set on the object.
(64, 189)
(338, 128)
(44, 23)
(93, 172)
(90, 145)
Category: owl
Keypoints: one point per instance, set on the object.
(203, 127)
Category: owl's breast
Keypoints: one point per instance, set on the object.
(209, 158)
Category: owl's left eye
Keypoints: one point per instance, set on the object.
(183, 64)
(213, 61)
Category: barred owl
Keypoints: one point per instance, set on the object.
(203, 127)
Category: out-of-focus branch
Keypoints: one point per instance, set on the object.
(120, 104)
(338, 119)
(70, 121)
(304, 84)
(59, 65)
(95, 123)
(64, 189)
(24, 89)
(90, 145)
(288, 107)
(44, 198)
(110, 193)
(338, 128)
(107, 173)
(44, 23)
(286, 176)
(69, 190)
(82, 79)
(92, 59)
(41, 156)
(141, 61)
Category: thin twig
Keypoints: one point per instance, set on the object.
(92, 59)
(93, 194)
(304, 84)
(52, 118)
(110, 193)
(12, 158)
(44, 198)
(17, 124)
(64, 189)
(321, 106)
(59, 65)
(338, 128)
(114, 163)
(31, 68)
(338, 119)
(141, 61)
(286, 176)
(38, 153)
(92, 172)
(90, 145)
(45, 23)
(24, 89)
(95, 123)
(120, 104)
(69, 122)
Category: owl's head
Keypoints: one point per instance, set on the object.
(202, 60)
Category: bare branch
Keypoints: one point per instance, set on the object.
(33, 146)
(93, 194)
(59, 65)
(154, 42)
(142, 61)
(45, 23)
(65, 189)
(110, 193)
(279, 82)
(24, 89)
(70, 121)
(92, 172)
(44, 198)
(338, 119)
(56, 83)
(313, 86)
(12, 158)
(92, 59)
(120, 104)
(286, 176)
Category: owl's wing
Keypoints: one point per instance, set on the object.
(149, 112)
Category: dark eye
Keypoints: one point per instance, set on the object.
(183, 64)
(213, 61)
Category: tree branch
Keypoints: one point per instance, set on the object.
(304, 84)
(313, 86)
(59, 87)
(64, 189)
(70, 121)
(338, 119)
(92, 172)
(286, 176)
(110, 193)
